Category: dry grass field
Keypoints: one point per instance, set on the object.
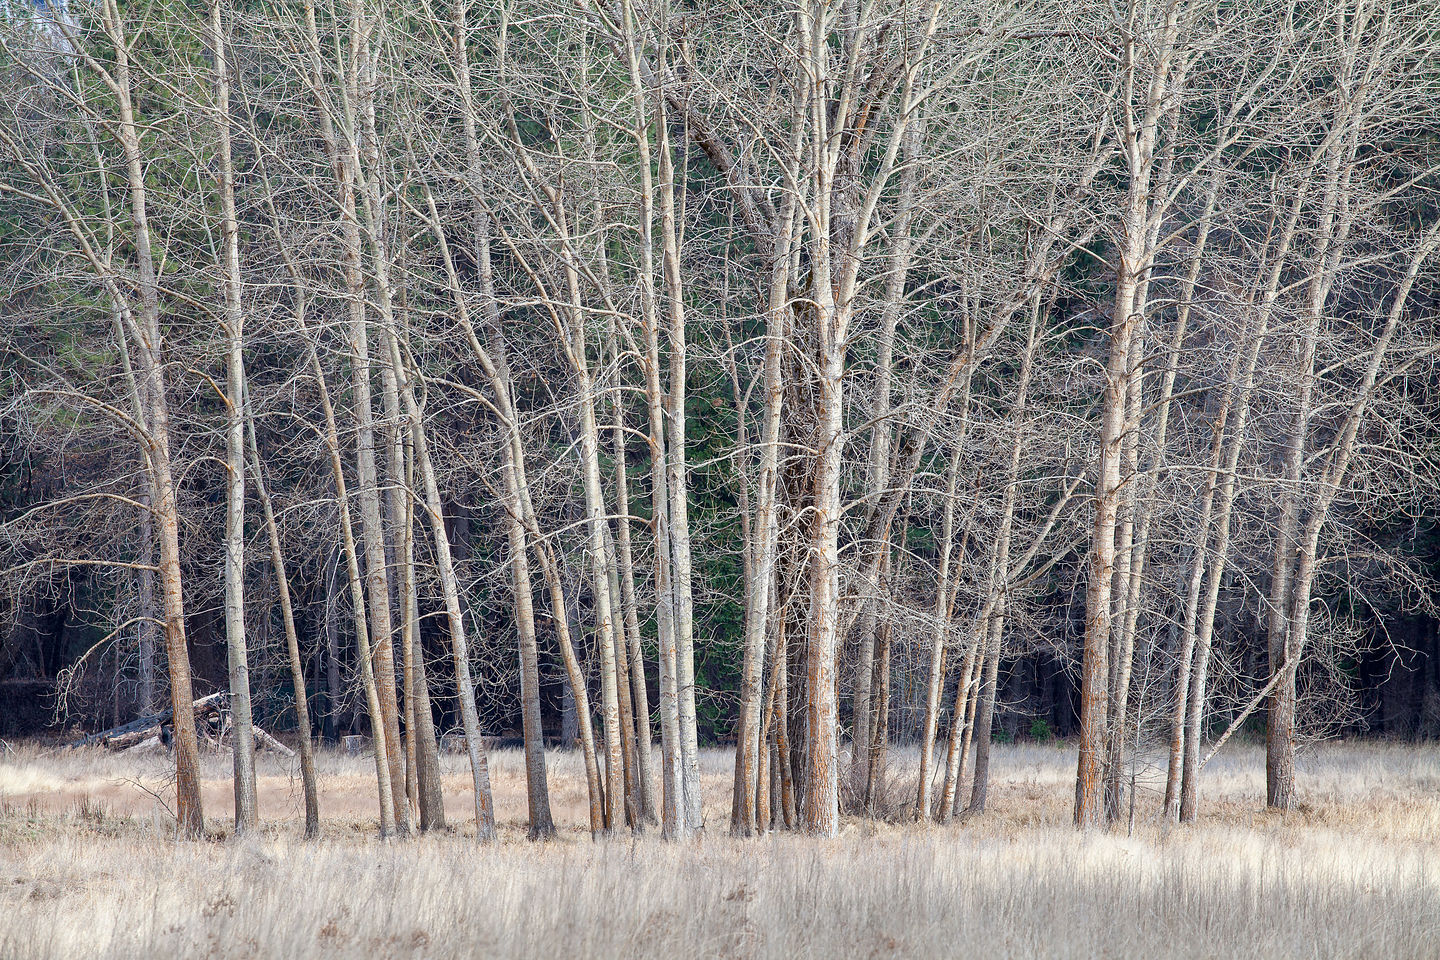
(87, 870)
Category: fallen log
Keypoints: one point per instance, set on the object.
(212, 717)
(133, 738)
(153, 722)
(264, 739)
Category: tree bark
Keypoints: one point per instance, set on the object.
(308, 779)
(247, 814)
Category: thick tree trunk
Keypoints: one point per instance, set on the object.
(821, 813)
(1095, 663)
(537, 787)
(247, 814)
(765, 531)
(985, 712)
(148, 340)
(1129, 571)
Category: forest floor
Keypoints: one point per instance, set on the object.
(87, 869)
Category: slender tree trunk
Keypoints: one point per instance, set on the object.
(331, 436)
(600, 586)
(537, 787)
(308, 780)
(560, 617)
(789, 807)
(450, 590)
(879, 733)
(426, 749)
(959, 741)
(935, 675)
(345, 166)
(628, 749)
(878, 470)
(149, 704)
(625, 568)
(677, 484)
(332, 652)
(357, 604)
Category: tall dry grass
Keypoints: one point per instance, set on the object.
(85, 872)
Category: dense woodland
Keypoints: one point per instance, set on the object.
(811, 378)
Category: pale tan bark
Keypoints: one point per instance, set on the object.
(495, 366)
(247, 814)
(147, 337)
(1128, 570)
(455, 618)
(1198, 624)
(985, 706)
(422, 747)
(357, 598)
(750, 745)
(935, 675)
(878, 468)
(1280, 731)
(674, 815)
(331, 436)
(1140, 130)
(630, 621)
(960, 723)
(366, 159)
(1333, 222)
(361, 160)
(308, 779)
(344, 162)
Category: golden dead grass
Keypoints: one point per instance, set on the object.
(87, 870)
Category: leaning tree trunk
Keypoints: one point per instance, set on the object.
(308, 779)
(345, 163)
(331, 437)
(434, 508)
(935, 676)
(496, 367)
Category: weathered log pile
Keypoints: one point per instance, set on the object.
(212, 724)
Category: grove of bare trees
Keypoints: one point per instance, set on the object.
(650, 374)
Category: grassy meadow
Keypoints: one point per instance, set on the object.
(88, 869)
